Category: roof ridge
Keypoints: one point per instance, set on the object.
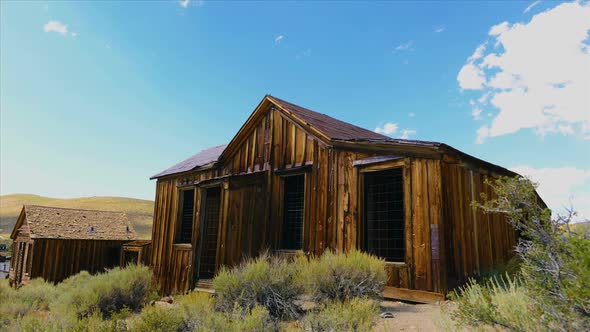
(71, 209)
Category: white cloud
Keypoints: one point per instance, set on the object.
(439, 29)
(405, 46)
(279, 39)
(535, 74)
(478, 52)
(527, 9)
(389, 128)
(74, 34)
(476, 113)
(406, 133)
(411, 114)
(186, 3)
(561, 187)
(471, 77)
(56, 26)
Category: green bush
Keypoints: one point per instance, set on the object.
(154, 319)
(357, 314)
(106, 293)
(267, 281)
(196, 312)
(500, 301)
(553, 288)
(343, 276)
(16, 303)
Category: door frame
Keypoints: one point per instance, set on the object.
(201, 226)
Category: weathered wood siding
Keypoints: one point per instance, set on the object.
(54, 260)
(445, 240)
(476, 242)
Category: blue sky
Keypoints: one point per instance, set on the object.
(97, 96)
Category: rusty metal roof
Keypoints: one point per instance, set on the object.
(202, 158)
(332, 128)
(60, 223)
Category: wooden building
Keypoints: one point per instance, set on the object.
(293, 180)
(55, 243)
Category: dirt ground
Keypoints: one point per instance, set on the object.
(412, 317)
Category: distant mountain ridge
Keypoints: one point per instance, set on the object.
(140, 211)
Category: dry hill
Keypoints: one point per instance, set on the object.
(140, 211)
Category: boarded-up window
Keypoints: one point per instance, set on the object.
(384, 214)
(185, 229)
(293, 213)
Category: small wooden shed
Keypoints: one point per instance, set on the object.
(294, 180)
(55, 243)
(136, 252)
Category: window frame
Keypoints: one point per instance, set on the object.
(179, 214)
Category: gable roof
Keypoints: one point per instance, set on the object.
(333, 131)
(330, 127)
(45, 222)
(202, 158)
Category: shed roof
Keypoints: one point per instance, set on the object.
(202, 158)
(45, 222)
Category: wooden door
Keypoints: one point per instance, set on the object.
(209, 232)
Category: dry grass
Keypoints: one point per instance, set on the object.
(140, 211)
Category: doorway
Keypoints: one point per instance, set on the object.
(209, 231)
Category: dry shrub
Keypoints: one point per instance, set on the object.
(357, 314)
(499, 301)
(16, 303)
(343, 276)
(196, 312)
(267, 281)
(106, 293)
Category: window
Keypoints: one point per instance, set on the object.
(185, 229)
(384, 214)
(292, 238)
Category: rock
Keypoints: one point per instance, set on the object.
(163, 304)
(386, 314)
(167, 299)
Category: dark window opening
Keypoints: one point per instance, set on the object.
(185, 231)
(384, 214)
(293, 213)
(209, 233)
(130, 257)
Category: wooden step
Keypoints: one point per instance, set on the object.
(205, 283)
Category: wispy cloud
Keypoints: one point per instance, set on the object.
(389, 128)
(56, 26)
(411, 114)
(440, 29)
(304, 54)
(405, 46)
(186, 3)
(406, 133)
(279, 39)
(528, 9)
